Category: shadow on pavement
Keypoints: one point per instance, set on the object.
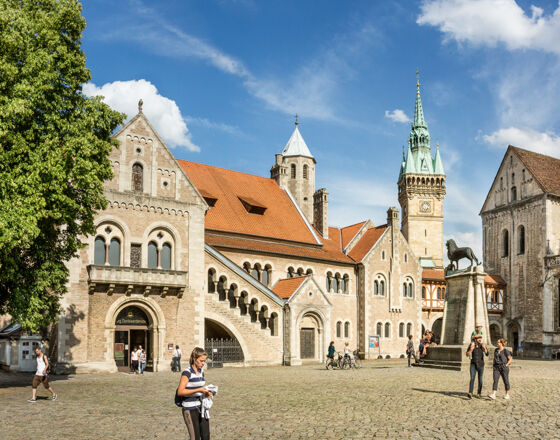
(456, 394)
(12, 380)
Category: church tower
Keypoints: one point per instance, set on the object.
(421, 191)
(295, 169)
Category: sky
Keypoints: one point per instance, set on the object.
(222, 81)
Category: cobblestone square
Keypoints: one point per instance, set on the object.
(384, 399)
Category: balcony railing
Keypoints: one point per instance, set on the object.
(128, 280)
(552, 261)
(432, 304)
(495, 307)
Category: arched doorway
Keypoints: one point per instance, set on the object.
(310, 335)
(495, 334)
(513, 337)
(132, 329)
(221, 344)
(436, 328)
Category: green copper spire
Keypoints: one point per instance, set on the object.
(419, 134)
(410, 166)
(438, 164)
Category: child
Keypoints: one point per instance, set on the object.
(478, 331)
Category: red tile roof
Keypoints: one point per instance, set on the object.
(546, 169)
(329, 251)
(285, 288)
(280, 219)
(349, 232)
(433, 274)
(366, 242)
(494, 279)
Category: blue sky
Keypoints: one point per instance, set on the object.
(222, 80)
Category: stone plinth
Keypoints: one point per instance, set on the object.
(464, 308)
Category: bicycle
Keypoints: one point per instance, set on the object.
(331, 363)
(356, 362)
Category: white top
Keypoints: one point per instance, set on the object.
(41, 365)
(296, 146)
(134, 355)
(177, 353)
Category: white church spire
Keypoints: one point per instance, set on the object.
(296, 146)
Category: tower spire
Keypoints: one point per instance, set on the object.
(419, 120)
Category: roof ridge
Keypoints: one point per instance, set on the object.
(355, 224)
(226, 169)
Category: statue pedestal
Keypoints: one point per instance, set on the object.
(464, 308)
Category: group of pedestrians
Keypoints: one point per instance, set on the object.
(138, 360)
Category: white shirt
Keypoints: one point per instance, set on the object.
(135, 355)
(41, 365)
(177, 353)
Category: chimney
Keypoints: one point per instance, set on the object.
(393, 218)
(321, 212)
(279, 171)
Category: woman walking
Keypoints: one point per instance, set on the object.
(502, 361)
(192, 389)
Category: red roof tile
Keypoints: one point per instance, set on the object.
(286, 287)
(366, 242)
(349, 232)
(280, 219)
(433, 274)
(329, 251)
(546, 169)
(494, 279)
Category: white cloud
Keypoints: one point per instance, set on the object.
(542, 142)
(397, 115)
(163, 113)
(492, 22)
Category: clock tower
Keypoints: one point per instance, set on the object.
(421, 192)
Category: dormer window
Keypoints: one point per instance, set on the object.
(209, 198)
(251, 205)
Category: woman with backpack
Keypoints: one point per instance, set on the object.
(192, 391)
(502, 361)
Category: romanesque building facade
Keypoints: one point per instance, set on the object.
(521, 243)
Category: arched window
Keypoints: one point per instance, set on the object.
(382, 288)
(346, 329)
(291, 272)
(408, 329)
(501, 183)
(401, 330)
(273, 324)
(152, 255)
(375, 288)
(523, 175)
(521, 239)
(505, 243)
(300, 271)
(293, 167)
(346, 281)
(379, 329)
(305, 172)
(411, 289)
(115, 252)
(387, 330)
(265, 275)
(137, 177)
(423, 292)
(99, 251)
(513, 193)
(339, 329)
(247, 267)
(336, 284)
(404, 290)
(343, 285)
(406, 258)
(329, 281)
(383, 255)
(165, 258)
(512, 177)
(211, 281)
(255, 272)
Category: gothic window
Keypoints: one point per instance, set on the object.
(115, 252)
(166, 256)
(379, 329)
(512, 177)
(135, 255)
(99, 251)
(387, 330)
(305, 172)
(137, 177)
(376, 287)
(505, 243)
(408, 329)
(404, 290)
(382, 288)
(521, 240)
(293, 168)
(152, 255)
(410, 289)
(401, 330)
(346, 329)
(513, 194)
(339, 329)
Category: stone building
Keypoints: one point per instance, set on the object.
(521, 243)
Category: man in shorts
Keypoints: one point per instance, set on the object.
(41, 376)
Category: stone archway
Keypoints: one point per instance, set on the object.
(221, 344)
(495, 333)
(513, 336)
(310, 335)
(154, 328)
(436, 328)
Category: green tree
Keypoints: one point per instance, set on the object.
(54, 147)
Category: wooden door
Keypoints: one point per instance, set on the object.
(307, 343)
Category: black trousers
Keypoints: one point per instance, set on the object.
(474, 370)
(197, 426)
(504, 373)
(412, 354)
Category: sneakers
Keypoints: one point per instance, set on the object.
(32, 400)
(478, 396)
(506, 397)
(469, 395)
(492, 397)
(55, 396)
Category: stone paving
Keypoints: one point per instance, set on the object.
(384, 399)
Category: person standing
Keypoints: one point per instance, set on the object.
(502, 361)
(410, 351)
(192, 389)
(41, 376)
(134, 360)
(176, 361)
(141, 359)
(477, 350)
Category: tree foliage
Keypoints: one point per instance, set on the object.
(54, 147)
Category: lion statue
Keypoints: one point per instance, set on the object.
(455, 253)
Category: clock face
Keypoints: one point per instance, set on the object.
(425, 207)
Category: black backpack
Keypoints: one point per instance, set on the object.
(178, 399)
